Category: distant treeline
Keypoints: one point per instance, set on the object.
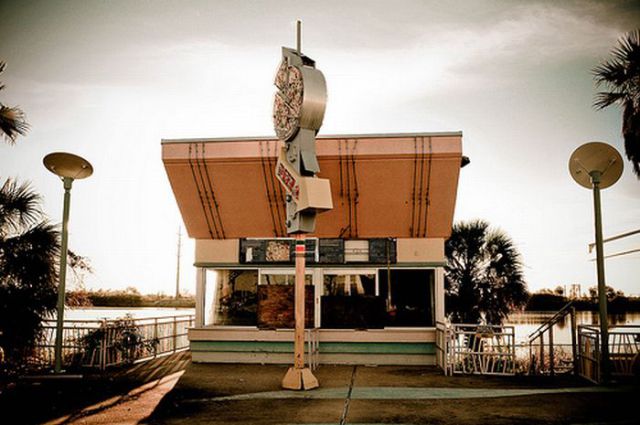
(129, 297)
(554, 302)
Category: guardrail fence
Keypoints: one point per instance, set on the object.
(475, 349)
(546, 356)
(624, 351)
(103, 343)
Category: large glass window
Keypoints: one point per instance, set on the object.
(349, 300)
(276, 299)
(236, 297)
(409, 302)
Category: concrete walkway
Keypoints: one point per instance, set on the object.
(126, 409)
(406, 393)
(251, 394)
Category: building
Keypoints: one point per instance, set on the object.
(375, 281)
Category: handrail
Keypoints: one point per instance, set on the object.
(552, 321)
(135, 319)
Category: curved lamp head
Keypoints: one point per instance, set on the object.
(595, 158)
(68, 165)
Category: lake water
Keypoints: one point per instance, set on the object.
(525, 323)
(528, 322)
(99, 313)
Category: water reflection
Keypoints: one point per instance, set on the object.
(528, 322)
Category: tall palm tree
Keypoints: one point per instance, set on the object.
(29, 249)
(483, 276)
(12, 120)
(620, 75)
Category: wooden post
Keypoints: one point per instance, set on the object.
(299, 303)
(298, 377)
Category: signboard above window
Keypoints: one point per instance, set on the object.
(318, 251)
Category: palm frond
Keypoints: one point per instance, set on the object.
(12, 123)
(483, 275)
(19, 206)
(30, 257)
(605, 99)
(2, 66)
(621, 75)
(631, 134)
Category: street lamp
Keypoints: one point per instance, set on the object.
(68, 167)
(596, 166)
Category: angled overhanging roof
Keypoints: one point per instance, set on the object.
(382, 185)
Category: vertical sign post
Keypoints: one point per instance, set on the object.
(298, 112)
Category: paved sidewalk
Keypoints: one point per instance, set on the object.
(251, 394)
(126, 409)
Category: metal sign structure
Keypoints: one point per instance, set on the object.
(298, 112)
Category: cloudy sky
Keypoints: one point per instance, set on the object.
(109, 79)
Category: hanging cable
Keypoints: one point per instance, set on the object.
(356, 198)
(427, 200)
(421, 185)
(213, 195)
(348, 172)
(281, 213)
(413, 188)
(266, 186)
(195, 181)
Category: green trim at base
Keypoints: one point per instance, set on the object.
(325, 347)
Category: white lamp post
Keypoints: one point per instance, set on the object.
(596, 166)
(68, 167)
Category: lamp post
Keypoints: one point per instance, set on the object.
(596, 166)
(68, 167)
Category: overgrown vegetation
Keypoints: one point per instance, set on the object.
(483, 275)
(129, 297)
(125, 339)
(548, 300)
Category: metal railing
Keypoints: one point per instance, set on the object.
(443, 342)
(548, 357)
(313, 348)
(475, 349)
(624, 351)
(110, 342)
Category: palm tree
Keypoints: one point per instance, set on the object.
(12, 121)
(29, 249)
(621, 77)
(483, 276)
